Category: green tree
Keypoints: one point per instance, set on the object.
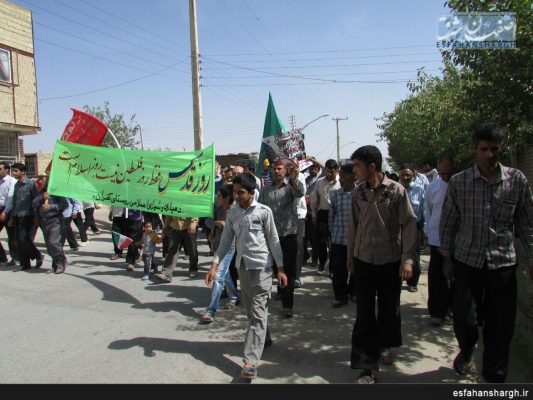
(125, 131)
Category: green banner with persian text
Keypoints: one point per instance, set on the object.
(163, 182)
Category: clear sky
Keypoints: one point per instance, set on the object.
(345, 58)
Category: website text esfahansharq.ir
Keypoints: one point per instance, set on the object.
(503, 393)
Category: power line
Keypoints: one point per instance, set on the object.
(109, 61)
(134, 25)
(319, 51)
(100, 44)
(116, 27)
(315, 66)
(113, 86)
(308, 83)
(100, 32)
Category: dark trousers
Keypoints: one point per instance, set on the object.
(413, 281)
(234, 274)
(311, 237)
(78, 221)
(89, 220)
(24, 227)
(343, 282)
(53, 230)
(11, 242)
(493, 294)
(371, 333)
(117, 226)
(323, 236)
(134, 230)
(177, 239)
(300, 244)
(289, 248)
(68, 234)
(440, 291)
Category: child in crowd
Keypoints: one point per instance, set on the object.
(149, 240)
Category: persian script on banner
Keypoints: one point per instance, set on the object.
(164, 182)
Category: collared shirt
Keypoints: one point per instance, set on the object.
(320, 198)
(417, 197)
(24, 192)
(68, 211)
(7, 185)
(301, 206)
(339, 211)
(422, 180)
(435, 196)
(432, 175)
(310, 182)
(479, 218)
(382, 225)
(255, 234)
(282, 201)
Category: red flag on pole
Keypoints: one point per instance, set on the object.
(83, 128)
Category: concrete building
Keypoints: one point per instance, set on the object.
(18, 83)
(36, 163)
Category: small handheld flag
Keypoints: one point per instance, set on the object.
(121, 241)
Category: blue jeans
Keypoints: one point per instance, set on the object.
(222, 277)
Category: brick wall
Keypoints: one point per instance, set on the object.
(16, 27)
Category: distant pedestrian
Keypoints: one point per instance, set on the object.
(88, 211)
(7, 186)
(148, 244)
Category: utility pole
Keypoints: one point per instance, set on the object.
(141, 135)
(293, 122)
(337, 121)
(195, 67)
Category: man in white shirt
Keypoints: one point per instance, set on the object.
(320, 207)
(301, 210)
(7, 184)
(439, 290)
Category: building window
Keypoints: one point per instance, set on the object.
(5, 66)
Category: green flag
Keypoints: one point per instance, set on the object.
(163, 182)
(273, 127)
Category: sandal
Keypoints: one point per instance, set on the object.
(249, 371)
(230, 305)
(386, 356)
(208, 318)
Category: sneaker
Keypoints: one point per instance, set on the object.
(130, 267)
(436, 321)
(366, 377)
(145, 277)
(287, 313)
(461, 365)
(193, 274)
(339, 303)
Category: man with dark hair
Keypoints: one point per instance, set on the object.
(281, 196)
(381, 241)
(7, 185)
(341, 200)
(320, 207)
(251, 225)
(22, 217)
(311, 234)
(486, 206)
(439, 289)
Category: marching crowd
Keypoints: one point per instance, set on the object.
(365, 226)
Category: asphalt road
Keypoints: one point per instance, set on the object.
(98, 323)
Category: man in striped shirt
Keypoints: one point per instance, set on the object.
(339, 211)
(485, 207)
